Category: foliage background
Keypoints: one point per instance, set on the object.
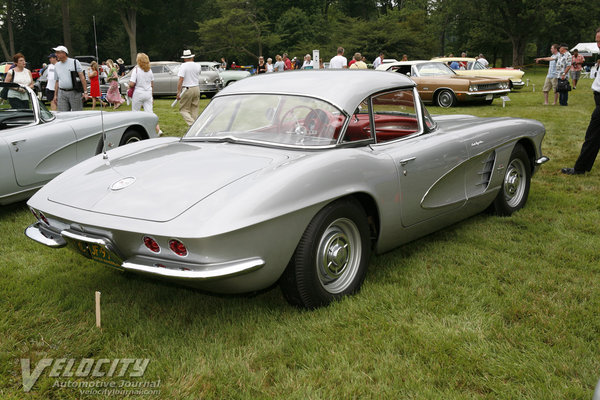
(507, 32)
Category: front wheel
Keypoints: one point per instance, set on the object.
(515, 185)
(445, 98)
(131, 136)
(332, 257)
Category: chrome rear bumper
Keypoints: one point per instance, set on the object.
(162, 268)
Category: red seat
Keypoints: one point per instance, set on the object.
(388, 127)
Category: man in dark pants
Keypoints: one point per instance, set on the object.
(591, 145)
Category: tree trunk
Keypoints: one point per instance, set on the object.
(66, 21)
(130, 23)
(9, 26)
(519, 44)
(7, 55)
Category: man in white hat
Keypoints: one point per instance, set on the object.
(67, 97)
(188, 90)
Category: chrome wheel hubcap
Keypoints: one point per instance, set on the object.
(338, 255)
(514, 183)
(445, 99)
(133, 140)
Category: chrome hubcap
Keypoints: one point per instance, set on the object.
(133, 140)
(514, 183)
(338, 255)
(445, 99)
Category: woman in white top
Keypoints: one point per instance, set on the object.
(142, 80)
(307, 62)
(269, 64)
(18, 97)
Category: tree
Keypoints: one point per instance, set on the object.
(66, 23)
(240, 29)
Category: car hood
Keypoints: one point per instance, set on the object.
(74, 115)
(158, 183)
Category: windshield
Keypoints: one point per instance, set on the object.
(268, 118)
(16, 108)
(433, 69)
(477, 65)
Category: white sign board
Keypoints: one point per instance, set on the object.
(316, 59)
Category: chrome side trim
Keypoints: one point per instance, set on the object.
(541, 160)
(44, 236)
(503, 91)
(207, 272)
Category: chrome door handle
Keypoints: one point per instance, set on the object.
(406, 160)
(18, 141)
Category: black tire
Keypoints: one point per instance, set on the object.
(209, 95)
(445, 98)
(100, 147)
(515, 184)
(131, 135)
(339, 237)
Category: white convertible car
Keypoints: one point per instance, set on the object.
(36, 144)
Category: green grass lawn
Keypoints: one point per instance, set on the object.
(490, 308)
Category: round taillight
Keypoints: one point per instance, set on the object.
(151, 244)
(177, 247)
(43, 218)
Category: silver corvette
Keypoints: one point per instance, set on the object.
(36, 145)
(292, 179)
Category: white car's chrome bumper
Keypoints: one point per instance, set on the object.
(517, 84)
(83, 243)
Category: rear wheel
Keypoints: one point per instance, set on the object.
(515, 185)
(445, 98)
(332, 257)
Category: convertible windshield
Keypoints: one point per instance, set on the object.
(433, 69)
(274, 119)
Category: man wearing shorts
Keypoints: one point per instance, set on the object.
(576, 67)
(552, 77)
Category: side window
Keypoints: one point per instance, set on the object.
(394, 115)
(359, 127)
(156, 69)
(402, 69)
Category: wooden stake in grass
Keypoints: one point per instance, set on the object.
(98, 322)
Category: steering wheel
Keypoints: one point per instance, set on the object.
(298, 129)
(316, 121)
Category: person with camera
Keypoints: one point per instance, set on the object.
(71, 87)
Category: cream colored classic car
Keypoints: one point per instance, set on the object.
(474, 68)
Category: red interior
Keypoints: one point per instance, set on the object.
(388, 127)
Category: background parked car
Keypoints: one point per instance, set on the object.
(166, 79)
(36, 144)
(228, 76)
(438, 83)
(475, 68)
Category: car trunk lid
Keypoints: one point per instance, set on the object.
(161, 182)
